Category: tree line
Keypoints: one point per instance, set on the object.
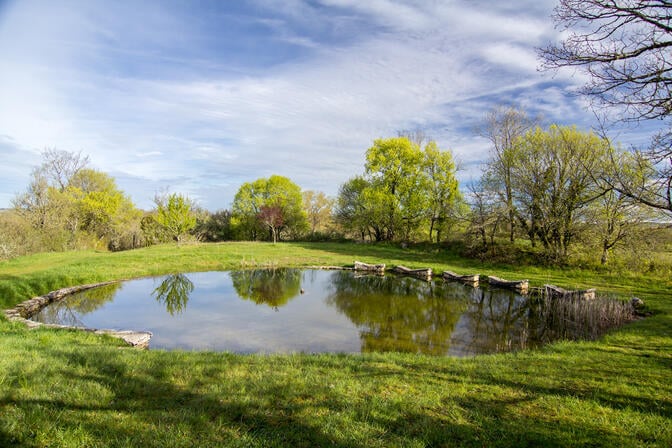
(543, 187)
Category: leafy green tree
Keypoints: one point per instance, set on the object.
(351, 212)
(174, 213)
(318, 207)
(615, 217)
(214, 226)
(553, 178)
(402, 188)
(394, 167)
(443, 191)
(69, 205)
(276, 193)
(101, 208)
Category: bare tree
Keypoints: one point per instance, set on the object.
(502, 126)
(417, 136)
(625, 46)
(61, 166)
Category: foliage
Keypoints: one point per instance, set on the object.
(319, 208)
(275, 193)
(552, 178)
(69, 206)
(214, 226)
(443, 193)
(553, 183)
(174, 213)
(402, 188)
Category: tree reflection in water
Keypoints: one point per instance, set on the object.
(495, 321)
(399, 313)
(272, 287)
(66, 311)
(173, 292)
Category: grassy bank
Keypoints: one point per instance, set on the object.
(67, 388)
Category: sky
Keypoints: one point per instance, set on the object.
(199, 97)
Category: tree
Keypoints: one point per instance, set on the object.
(101, 208)
(503, 126)
(214, 226)
(553, 183)
(351, 212)
(275, 192)
(174, 214)
(403, 187)
(443, 192)
(271, 217)
(486, 214)
(60, 167)
(624, 46)
(69, 205)
(615, 217)
(318, 208)
(394, 167)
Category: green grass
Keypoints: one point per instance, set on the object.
(70, 388)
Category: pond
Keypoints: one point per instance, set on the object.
(315, 311)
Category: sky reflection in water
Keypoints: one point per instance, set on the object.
(288, 310)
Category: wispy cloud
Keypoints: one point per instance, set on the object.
(200, 100)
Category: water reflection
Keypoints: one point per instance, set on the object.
(173, 292)
(69, 312)
(495, 320)
(272, 287)
(398, 313)
(328, 311)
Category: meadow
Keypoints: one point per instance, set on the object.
(72, 388)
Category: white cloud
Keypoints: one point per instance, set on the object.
(440, 65)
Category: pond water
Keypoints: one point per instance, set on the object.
(288, 310)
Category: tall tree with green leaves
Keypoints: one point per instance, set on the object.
(403, 187)
(174, 213)
(69, 205)
(553, 179)
(443, 191)
(318, 207)
(278, 194)
(353, 213)
(102, 209)
(394, 167)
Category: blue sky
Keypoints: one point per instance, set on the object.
(198, 97)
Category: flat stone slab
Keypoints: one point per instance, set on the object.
(24, 310)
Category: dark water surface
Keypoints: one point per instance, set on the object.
(288, 310)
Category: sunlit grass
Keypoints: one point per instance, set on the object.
(70, 388)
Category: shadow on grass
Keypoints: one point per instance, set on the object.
(168, 415)
(152, 404)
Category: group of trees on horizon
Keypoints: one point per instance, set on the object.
(550, 188)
